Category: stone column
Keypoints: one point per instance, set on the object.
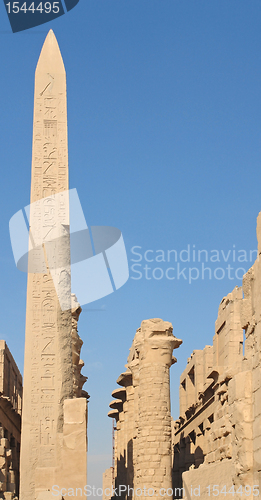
(134, 367)
(117, 404)
(125, 380)
(154, 424)
(114, 414)
(130, 399)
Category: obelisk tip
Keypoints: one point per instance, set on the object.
(51, 36)
(50, 57)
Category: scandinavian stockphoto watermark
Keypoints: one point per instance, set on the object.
(92, 261)
(211, 490)
(24, 15)
(111, 492)
(190, 264)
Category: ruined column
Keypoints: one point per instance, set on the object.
(128, 407)
(147, 425)
(154, 424)
(133, 364)
(50, 416)
(126, 395)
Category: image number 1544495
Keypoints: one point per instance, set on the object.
(33, 7)
(24, 15)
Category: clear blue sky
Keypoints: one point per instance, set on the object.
(164, 143)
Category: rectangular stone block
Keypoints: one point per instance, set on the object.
(217, 473)
(75, 411)
(257, 403)
(240, 387)
(256, 378)
(44, 477)
(48, 495)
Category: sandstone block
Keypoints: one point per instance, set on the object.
(257, 402)
(257, 443)
(8, 495)
(43, 475)
(258, 232)
(245, 459)
(256, 378)
(257, 459)
(47, 495)
(229, 451)
(5, 443)
(240, 386)
(242, 416)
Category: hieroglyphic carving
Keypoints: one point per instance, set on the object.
(47, 327)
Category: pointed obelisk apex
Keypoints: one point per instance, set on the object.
(50, 58)
(48, 392)
(50, 122)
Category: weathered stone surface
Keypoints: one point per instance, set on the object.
(107, 481)
(53, 449)
(143, 437)
(228, 410)
(10, 427)
(199, 482)
(48, 495)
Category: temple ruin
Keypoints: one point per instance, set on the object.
(10, 423)
(216, 441)
(203, 435)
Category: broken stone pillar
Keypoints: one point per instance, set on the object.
(107, 480)
(154, 424)
(144, 454)
(120, 455)
(125, 380)
(125, 406)
(133, 363)
(123, 444)
(78, 379)
(53, 444)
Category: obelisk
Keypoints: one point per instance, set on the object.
(48, 365)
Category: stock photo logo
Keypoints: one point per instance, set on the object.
(24, 15)
(92, 262)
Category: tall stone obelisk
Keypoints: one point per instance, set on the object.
(50, 414)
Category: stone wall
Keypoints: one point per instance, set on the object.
(10, 423)
(217, 439)
(204, 433)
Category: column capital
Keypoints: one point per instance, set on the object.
(158, 342)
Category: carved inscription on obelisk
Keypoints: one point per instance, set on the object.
(48, 373)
